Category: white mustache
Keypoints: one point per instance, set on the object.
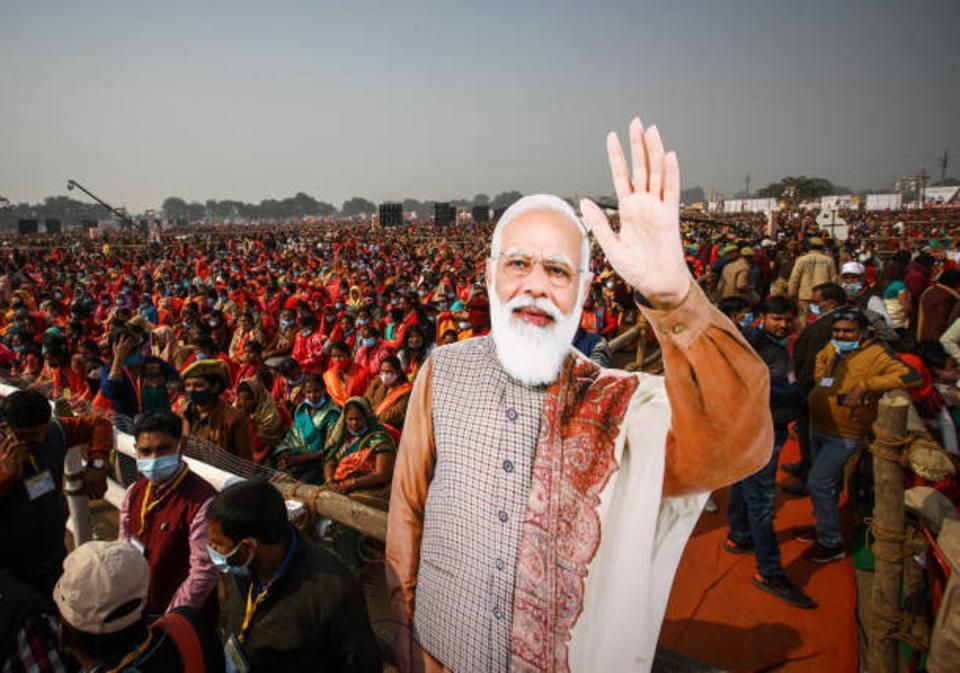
(539, 303)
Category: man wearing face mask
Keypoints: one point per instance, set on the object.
(210, 418)
(750, 508)
(163, 515)
(289, 605)
(33, 447)
(825, 300)
(308, 346)
(851, 374)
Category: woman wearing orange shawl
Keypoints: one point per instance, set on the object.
(389, 393)
(267, 425)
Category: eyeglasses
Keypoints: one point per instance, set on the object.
(520, 265)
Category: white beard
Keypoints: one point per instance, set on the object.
(532, 354)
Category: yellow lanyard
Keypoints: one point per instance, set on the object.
(252, 604)
(142, 647)
(146, 506)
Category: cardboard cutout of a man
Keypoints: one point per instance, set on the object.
(540, 504)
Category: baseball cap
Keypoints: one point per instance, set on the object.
(852, 267)
(103, 588)
(816, 242)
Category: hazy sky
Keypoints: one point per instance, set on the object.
(434, 100)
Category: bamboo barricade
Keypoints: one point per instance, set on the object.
(888, 527)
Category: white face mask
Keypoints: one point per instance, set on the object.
(388, 378)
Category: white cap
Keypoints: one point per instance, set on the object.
(853, 267)
(98, 578)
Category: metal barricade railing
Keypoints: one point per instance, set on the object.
(220, 469)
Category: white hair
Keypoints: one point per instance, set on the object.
(542, 202)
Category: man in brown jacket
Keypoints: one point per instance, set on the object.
(206, 416)
(540, 504)
(735, 276)
(812, 269)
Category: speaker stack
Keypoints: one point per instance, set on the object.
(27, 226)
(480, 214)
(444, 214)
(52, 225)
(391, 214)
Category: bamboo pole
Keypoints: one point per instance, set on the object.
(369, 521)
(888, 520)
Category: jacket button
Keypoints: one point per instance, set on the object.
(500, 564)
(498, 613)
(502, 516)
(678, 328)
(511, 414)
(507, 466)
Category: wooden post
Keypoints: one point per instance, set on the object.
(888, 515)
(369, 521)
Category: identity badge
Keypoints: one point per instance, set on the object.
(40, 484)
(826, 382)
(236, 662)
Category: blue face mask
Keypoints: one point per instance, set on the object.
(155, 399)
(370, 342)
(200, 397)
(159, 469)
(746, 321)
(220, 561)
(201, 355)
(815, 309)
(845, 346)
(356, 433)
(307, 331)
(286, 324)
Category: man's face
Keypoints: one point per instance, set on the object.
(535, 292)
(551, 243)
(778, 324)
(244, 550)
(156, 444)
(847, 330)
(848, 278)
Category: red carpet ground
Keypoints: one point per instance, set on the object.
(716, 615)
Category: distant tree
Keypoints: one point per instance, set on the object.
(325, 209)
(195, 211)
(506, 199)
(358, 206)
(480, 200)
(174, 207)
(947, 182)
(414, 206)
(693, 195)
(806, 188)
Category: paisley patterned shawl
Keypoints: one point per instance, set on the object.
(574, 460)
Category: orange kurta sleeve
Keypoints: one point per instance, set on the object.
(412, 474)
(719, 389)
(95, 433)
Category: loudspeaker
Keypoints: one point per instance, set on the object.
(444, 214)
(52, 225)
(480, 214)
(27, 226)
(391, 214)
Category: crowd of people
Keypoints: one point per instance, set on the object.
(298, 348)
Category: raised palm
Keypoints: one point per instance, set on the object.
(647, 251)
